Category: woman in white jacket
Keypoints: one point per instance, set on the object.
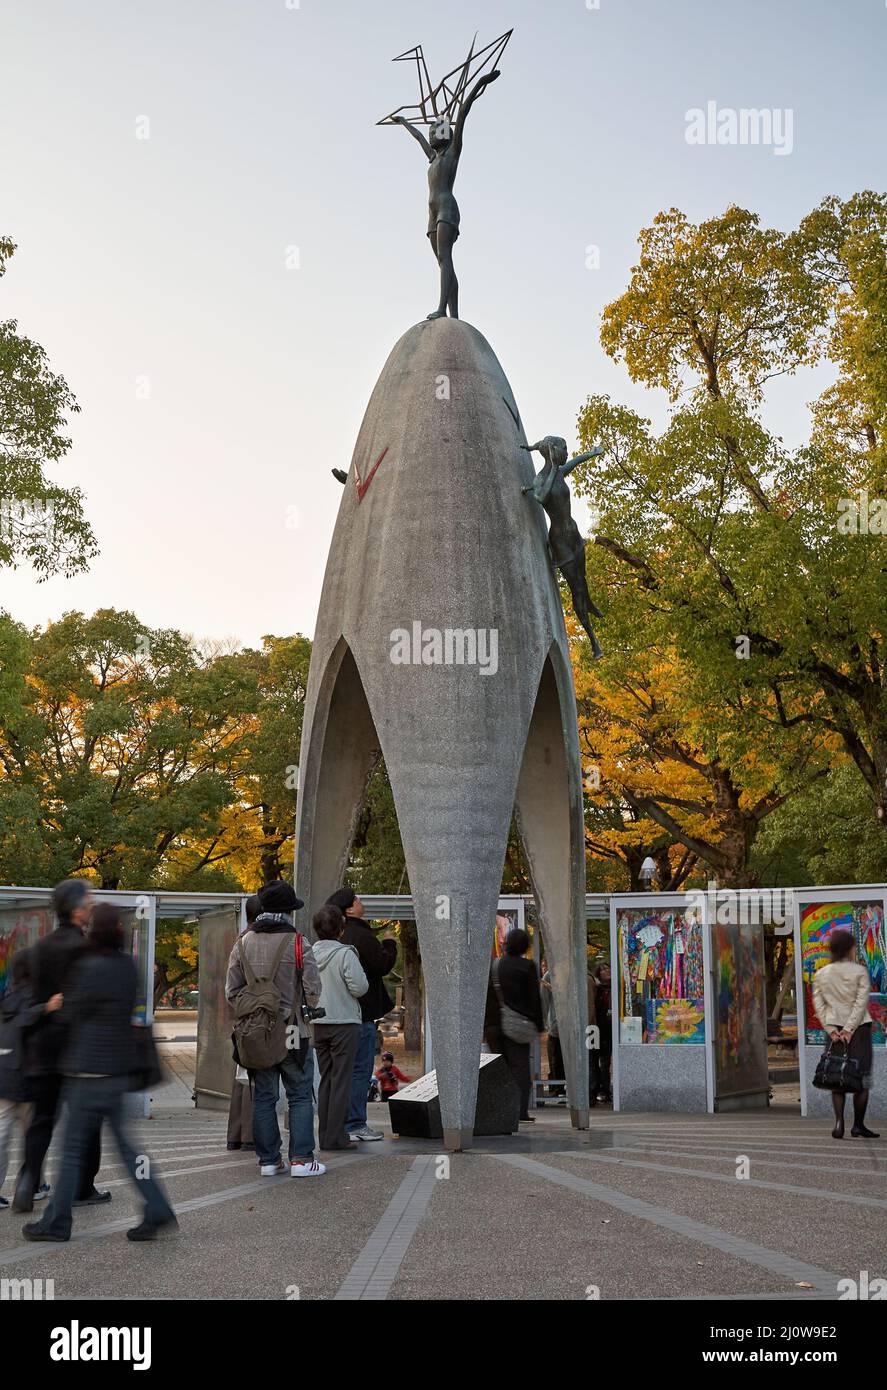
(343, 982)
(841, 998)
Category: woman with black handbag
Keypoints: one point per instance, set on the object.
(515, 984)
(841, 996)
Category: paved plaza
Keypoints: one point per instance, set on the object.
(642, 1206)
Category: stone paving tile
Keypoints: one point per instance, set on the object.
(495, 1232)
(489, 1230)
(835, 1235)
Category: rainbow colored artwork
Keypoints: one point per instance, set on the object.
(865, 921)
(676, 1020)
(660, 958)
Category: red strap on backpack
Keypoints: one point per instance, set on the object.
(300, 952)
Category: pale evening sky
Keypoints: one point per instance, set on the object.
(218, 386)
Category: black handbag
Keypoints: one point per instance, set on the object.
(838, 1072)
(147, 1071)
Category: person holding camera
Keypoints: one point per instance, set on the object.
(269, 953)
(336, 1035)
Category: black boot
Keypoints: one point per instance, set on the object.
(35, 1230)
(149, 1230)
(859, 1131)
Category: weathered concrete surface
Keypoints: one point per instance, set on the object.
(442, 537)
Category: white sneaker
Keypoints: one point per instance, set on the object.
(311, 1169)
(270, 1170)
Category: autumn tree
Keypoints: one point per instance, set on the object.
(140, 760)
(668, 779)
(721, 552)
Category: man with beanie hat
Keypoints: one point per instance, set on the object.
(271, 942)
(377, 958)
(51, 964)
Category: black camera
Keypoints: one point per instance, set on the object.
(310, 1014)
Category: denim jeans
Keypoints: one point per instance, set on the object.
(91, 1101)
(361, 1076)
(46, 1093)
(298, 1083)
(14, 1115)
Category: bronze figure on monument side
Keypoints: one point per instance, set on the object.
(567, 545)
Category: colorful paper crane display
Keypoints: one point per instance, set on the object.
(660, 958)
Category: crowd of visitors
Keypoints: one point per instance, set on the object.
(330, 992)
(69, 1044)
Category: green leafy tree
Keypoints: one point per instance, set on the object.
(40, 523)
(717, 546)
(131, 756)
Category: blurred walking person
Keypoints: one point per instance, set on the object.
(52, 960)
(336, 1035)
(98, 1062)
(18, 1014)
(841, 998)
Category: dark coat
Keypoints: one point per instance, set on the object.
(98, 1006)
(519, 983)
(18, 1014)
(52, 960)
(377, 958)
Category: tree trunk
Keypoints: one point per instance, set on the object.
(162, 982)
(271, 871)
(783, 977)
(412, 987)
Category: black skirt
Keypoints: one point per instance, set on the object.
(861, 1051)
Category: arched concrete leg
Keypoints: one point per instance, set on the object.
(550, 820)
(339, 753)
(454, 810)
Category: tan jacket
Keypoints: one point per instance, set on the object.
(841, 995)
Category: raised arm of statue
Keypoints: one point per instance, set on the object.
(542, 484)
(416, 134)
(582, 458)
(467, 104)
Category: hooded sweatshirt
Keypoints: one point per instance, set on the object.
(342, 981)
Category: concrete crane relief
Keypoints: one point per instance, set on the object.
(567, 546)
